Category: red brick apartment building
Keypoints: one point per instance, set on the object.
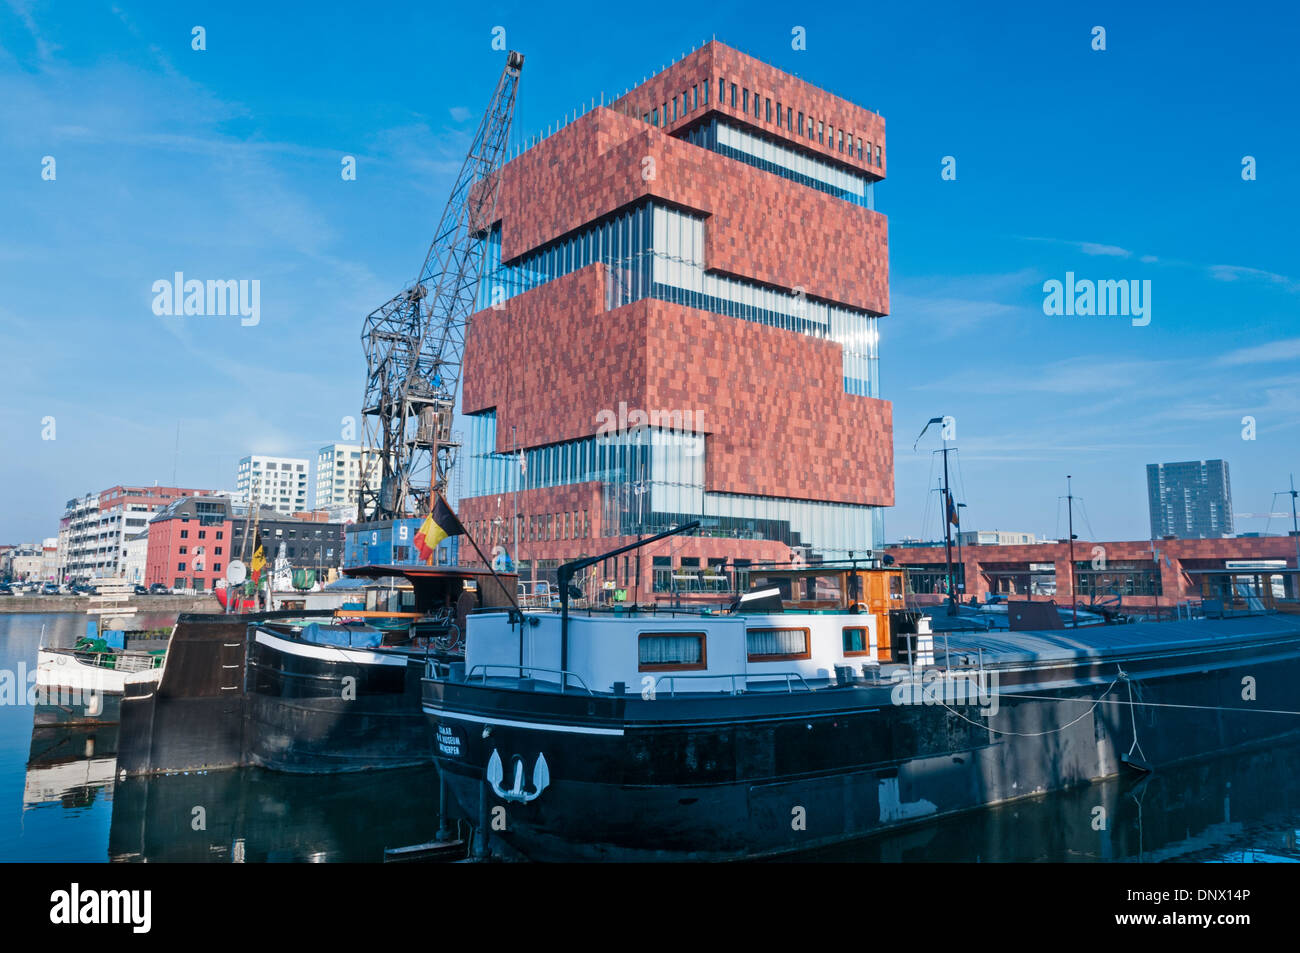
(190, 544)
(1139, 574)
(687, 286)
(192, 541)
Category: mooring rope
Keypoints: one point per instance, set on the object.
(1102, 699)
(1039, 734)
(1132, 714)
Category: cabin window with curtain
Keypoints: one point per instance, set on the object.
(777, 645)
(676, 652)
(857, 641)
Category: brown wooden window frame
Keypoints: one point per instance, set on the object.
(699, 666)
(866, 632)
(794, 657)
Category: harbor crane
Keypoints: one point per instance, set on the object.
(414, 342)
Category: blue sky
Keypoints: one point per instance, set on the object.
(1122, 164)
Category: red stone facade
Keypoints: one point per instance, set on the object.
(715, 62)
(1178, 559)
(771, 401)
(757, 226)
(564, 523)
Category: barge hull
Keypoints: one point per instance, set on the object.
(679, 779)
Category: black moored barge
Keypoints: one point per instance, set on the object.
(303, 691)
(802, 721)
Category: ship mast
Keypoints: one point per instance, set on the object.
(1074, 589)
(947, 530)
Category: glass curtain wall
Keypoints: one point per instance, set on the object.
(782, 160)
(653, 478)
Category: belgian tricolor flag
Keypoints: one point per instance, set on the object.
(258, 562)
(440, 524)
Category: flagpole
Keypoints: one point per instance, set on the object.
(487, 562)
(501, 582)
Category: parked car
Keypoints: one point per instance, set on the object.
(141, 590)
(6, 589)
(50, 589)
(158, 589)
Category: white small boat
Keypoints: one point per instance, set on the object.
(84, 685)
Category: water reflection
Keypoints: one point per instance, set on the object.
(1241, 808)
(1244, 806)
(256, 816)
(70, 766)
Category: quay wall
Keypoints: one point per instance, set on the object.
(143, 605)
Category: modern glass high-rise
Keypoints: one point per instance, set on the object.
(1190, 500)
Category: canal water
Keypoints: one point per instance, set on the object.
(59, 802)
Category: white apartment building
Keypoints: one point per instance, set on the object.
(338, 476)
(135, 556)
(95, 527)
(277, 482)
(51, 571)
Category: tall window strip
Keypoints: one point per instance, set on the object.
(649, 479)
(792, 163)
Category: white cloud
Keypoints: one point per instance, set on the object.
(1239, 272)
(1287, 349)
(1092, 248)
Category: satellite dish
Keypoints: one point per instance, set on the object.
(236, 572)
